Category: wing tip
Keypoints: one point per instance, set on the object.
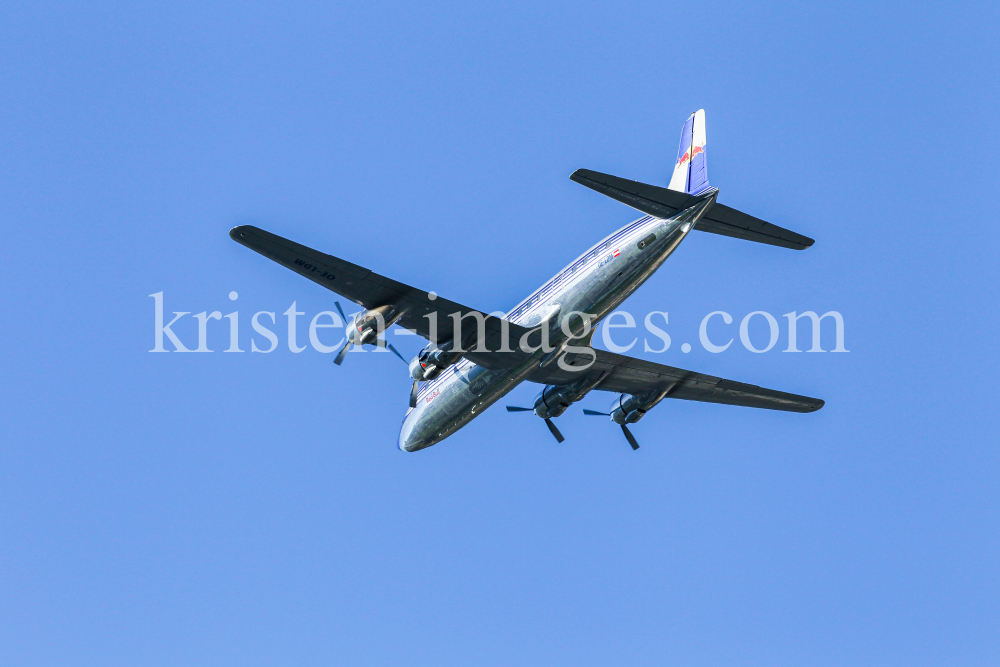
(806, 242)
(239, 232)
(815, 405)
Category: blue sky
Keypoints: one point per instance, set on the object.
(165, 509)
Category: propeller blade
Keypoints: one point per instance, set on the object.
(396, 352)
(413, 393)
(341, 311)
(595, 412)
(630, 437)
(555, 431)
(513, 408)
(343, 352)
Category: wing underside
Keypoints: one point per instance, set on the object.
(636, 376)
(371, 290)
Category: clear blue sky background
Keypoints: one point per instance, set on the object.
(169, 509)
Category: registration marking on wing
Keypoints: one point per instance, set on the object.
(309, 267)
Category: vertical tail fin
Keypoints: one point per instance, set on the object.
(698, 179)
(679, 181)
(691, 170)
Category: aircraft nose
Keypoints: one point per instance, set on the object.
(418, 431)
(408, 438)
(404, 434)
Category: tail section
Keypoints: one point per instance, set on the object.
(698, 178)
(689, 187)
(691, 170)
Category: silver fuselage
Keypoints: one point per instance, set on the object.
(596, 283)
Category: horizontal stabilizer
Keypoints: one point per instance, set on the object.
(664, 203)
(650, 199)
(726, 221)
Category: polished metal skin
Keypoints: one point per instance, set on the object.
(597, 283)
(474, 358)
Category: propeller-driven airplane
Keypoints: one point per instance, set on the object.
(474, 359)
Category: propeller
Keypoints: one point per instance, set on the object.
(413, 393)
(341, 311)
(628, 434)
(631, 438)
(379, 342)
(555, 431)
(343, 353)
(347, 341)
(548, 422)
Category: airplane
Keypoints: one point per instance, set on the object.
(468, 366)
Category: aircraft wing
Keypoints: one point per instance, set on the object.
(636, 376)
(664, 203)
(370, 290)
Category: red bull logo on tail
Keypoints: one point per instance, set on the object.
(689, 155)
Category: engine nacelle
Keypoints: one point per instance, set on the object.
(552, 401)
(369, 325)
(431, 361)
(630, 408)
